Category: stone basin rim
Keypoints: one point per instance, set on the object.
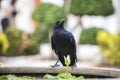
(95, 71)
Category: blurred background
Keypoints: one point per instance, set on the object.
(26, 27)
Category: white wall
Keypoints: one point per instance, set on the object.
(23, 19)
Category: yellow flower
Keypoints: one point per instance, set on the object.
(5, 42)
(102, 36)
(110, 45)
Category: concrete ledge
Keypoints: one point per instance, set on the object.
(93, 71)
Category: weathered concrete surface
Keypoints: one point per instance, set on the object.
(93, 71)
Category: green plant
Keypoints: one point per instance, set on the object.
(14, 77)
(92, 7)
(46, 15)
(4, 44)
(20, 44)
(110, 45)
(40, 35)
(88, 36)
(1, 45)
(15, 41)
(64, 74)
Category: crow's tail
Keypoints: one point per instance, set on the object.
(73, 59)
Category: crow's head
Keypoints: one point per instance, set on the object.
(59, 24)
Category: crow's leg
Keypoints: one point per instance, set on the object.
(55, 65)
(73, 66)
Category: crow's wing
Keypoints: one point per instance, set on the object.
(72, 41)
(52, 43)
(73, 44)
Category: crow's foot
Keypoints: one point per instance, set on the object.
(56, 65)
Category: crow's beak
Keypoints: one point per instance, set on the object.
(62, 21)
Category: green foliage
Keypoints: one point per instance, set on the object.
(31, 49)
(88, 36)
(4, 44)
(40, 35)
(62, 76)
(19, 44)
(15, 40)
(14, 77)
(1, 45)
(92, 7)
(110, 45)
(46, 15)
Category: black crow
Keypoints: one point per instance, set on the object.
(63, 43)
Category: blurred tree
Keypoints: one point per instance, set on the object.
(46, 15)
(91, 7)
(20, 44)
(40, 35)
(88, 36)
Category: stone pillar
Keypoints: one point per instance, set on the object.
(118, 14)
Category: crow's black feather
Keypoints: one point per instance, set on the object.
(63, 43)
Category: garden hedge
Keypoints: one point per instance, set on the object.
(88, 35)
(92, 7)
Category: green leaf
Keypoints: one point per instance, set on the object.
(14, 77)
(80, 78)
(74, 77)
(62, 76)
(48, 76)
